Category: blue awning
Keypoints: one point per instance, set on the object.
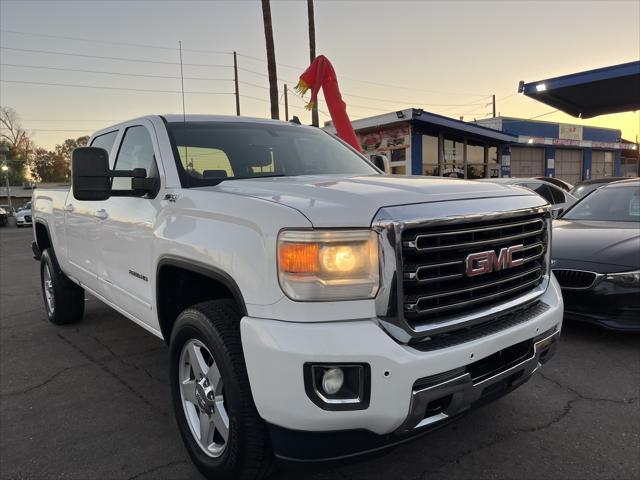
(589, 94)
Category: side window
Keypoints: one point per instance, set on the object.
(105, 141)
(541, 189)
(136, 151)
(556, 194)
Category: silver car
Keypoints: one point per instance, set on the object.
(556, 196)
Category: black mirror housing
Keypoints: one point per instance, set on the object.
(90, 176)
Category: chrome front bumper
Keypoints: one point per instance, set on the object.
(437, 402)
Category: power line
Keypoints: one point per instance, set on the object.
(103, 72)
(110, 88)
(67, 120)
(123, 59)
(52, 130)
(258, 59)
(111, 42)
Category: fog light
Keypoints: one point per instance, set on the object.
(332, 380)
(338, 386)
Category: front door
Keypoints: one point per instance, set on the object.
(127, 233)
(82, 224)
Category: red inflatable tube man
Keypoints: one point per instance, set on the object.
(321, 74)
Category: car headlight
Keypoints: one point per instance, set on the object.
(317, 265)
(625, 279)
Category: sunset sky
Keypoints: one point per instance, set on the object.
(445, 57)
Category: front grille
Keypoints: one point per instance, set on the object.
(577, 279)
(435, 286)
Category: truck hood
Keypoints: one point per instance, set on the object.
(352, 201)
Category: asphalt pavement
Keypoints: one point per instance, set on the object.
(92, 401)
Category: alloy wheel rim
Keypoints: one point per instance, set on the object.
(48, 289)
(202, 397)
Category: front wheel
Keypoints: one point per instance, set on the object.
(214, 408)
(63, 299)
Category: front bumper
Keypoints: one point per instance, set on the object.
(275, 352)
(23, 221)
(606, 304)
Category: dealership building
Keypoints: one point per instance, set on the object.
(417, 142)
(569, 152)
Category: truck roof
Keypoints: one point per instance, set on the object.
(219, 118)
(178, 118)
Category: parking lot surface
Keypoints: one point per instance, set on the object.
(91, 401)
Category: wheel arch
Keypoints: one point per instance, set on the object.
(182, 282)
(42, 235)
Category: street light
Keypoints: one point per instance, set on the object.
(4, 150)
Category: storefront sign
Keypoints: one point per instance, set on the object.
(523, 139)
(386, 140)
(570, 132)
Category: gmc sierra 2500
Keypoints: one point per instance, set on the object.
(314, 308)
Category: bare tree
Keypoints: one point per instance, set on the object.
(271, 59)
(12, 132)
(315, 121)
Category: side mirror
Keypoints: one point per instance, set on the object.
(380, 161)
(556, 212)
(91, 177)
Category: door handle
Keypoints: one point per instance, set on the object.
(102, 214)
(68, 207)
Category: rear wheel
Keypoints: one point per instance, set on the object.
(215, 412)
(63, 299)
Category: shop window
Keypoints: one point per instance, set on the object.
(399, 169)
(453, 158)
(430, 155)
(476, 168)
(494, 163)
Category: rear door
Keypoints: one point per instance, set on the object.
(127, 231)
(82, 229)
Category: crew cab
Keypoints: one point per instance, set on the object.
(314, 308)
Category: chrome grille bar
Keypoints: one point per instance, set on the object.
(415, 275)
(482, 299)
(414, 244)
(479, 287)
(472, 244)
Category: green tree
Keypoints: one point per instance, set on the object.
(55, 166)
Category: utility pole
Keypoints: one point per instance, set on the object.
(286, 104)
(271, 59)
(235, 79)
(4, 151)
(494, 105)
(315, 121)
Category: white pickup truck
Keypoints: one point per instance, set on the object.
(315, 309)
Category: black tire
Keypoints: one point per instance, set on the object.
(247, 454)
(68, 305)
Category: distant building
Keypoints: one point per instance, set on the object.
(417, 142)
(569, 152)
(630, 159)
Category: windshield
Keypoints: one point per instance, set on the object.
(614, 204)
(211, 152)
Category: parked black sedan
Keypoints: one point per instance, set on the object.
(596, 257)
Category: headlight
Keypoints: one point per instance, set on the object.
(624, 279)
(328, 265)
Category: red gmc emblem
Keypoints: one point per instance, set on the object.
(486, 262)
